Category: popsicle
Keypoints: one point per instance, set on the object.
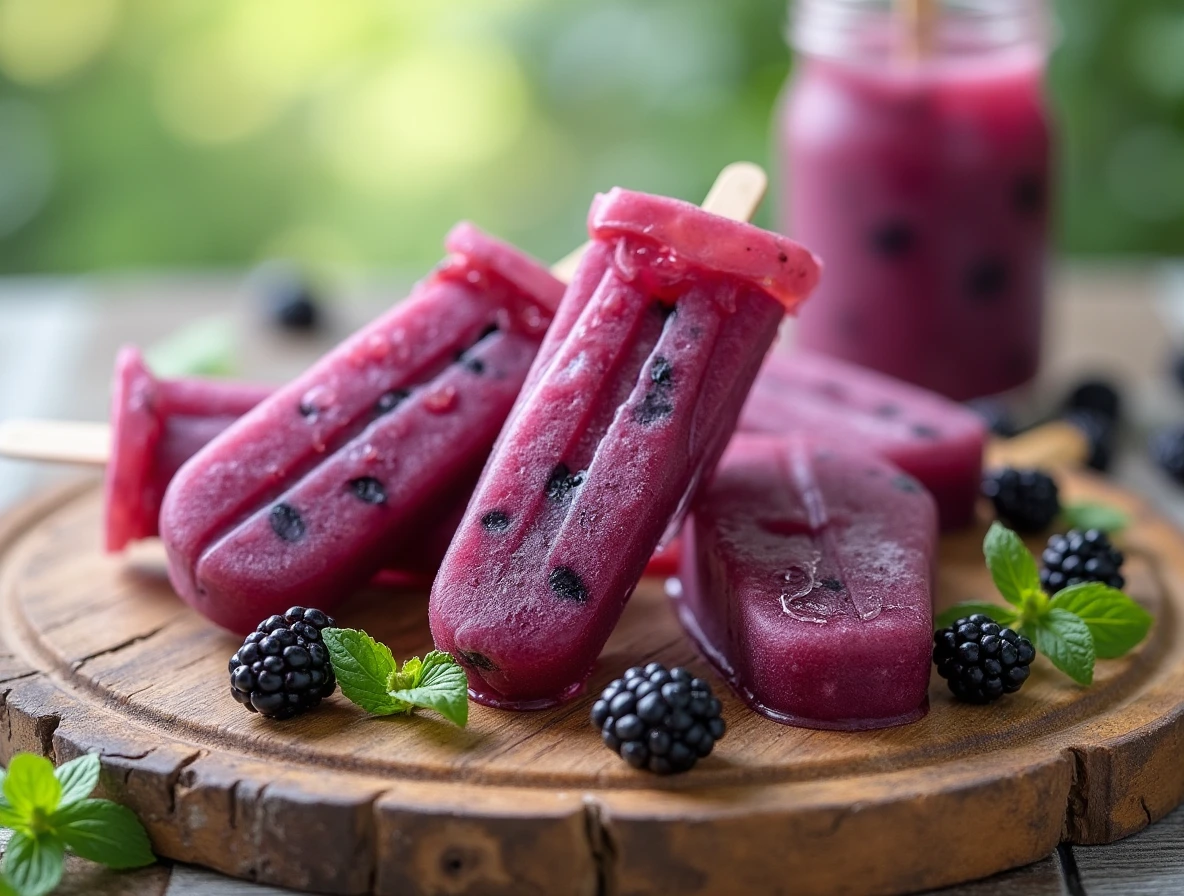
(936, 440)
(806, 577)
(627, 408)
(310, 493)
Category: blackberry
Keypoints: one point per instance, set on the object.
(1096, 395)
(1078, 557)
(980, 659)
(1099, 431)
(289, 298)
(1167, 450)
(283, 667)
(1025, 500)
(663, 720)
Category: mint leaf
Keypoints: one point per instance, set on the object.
(33, 865)
(30, 785)
(1115, 621)
(1001, 614)
(6, 889)
(363, 667)
(1091, 515)
(10, 818)
(1011, 564)
(1066, 640)
(79, 778)
(202, 348)
(103, 832)
(442, 686)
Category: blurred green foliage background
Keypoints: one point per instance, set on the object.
(347, 133)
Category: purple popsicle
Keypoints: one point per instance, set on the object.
(928, 436)
(634, 394)
(157, 425)
(308, 495)
(806, 580)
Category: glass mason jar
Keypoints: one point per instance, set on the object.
(920, 175)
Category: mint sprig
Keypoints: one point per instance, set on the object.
(370, 676)
(1091, 515)
(1074, 628)
(49, 812)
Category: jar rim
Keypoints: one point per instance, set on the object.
(873, 30)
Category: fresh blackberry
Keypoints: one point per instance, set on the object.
(660, 719)
(1167, 450)
(1099, 431)
(289, 298)
(1078, 557)
(1025, 500)
(980, 659)
(283, 667)
(1096, 395)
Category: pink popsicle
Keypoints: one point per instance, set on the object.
(157, 425)
(312, 492)
(806, 577)
(632, 398)
(930, 437)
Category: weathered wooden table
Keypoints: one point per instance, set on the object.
(58, 338)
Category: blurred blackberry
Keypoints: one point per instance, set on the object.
(980, 659)
(1177, 366)
(663, 720)
(290, 299)
(1096, 395)
(996, 416)
(1099, 431)
(1167, 450)
(1078, 557)
(283, 667)
(1025, 500)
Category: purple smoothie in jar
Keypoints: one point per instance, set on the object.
(923, 181)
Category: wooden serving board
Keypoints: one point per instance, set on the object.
(99, 655)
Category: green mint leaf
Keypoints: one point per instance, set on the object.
(6, 889)
(1011, 564)
(442, 686)
(10, 818)
(1001, 614)
(202, 348)
(1116, 622)
(1091, 515)
(104, 832)
(79, 778)
(33, 865)
(30, 785)
(407, 677)
(363, 667)
(1066, 640)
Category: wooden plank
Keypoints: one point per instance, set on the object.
(1151, 863)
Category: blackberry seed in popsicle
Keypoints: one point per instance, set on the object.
(312, 492)
(640, 402)
(806, 580)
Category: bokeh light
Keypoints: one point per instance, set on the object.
(42, 41)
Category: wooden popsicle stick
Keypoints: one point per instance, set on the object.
(56, 441)
(736, 194)
(917, 19)
(1055, 444)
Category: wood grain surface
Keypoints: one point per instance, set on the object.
(99, 655)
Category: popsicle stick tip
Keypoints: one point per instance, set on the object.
(56, 441)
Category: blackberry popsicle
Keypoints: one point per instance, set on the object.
(632, 399)
(308, 495)
(806, 581)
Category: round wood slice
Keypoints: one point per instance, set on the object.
(99, 655)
